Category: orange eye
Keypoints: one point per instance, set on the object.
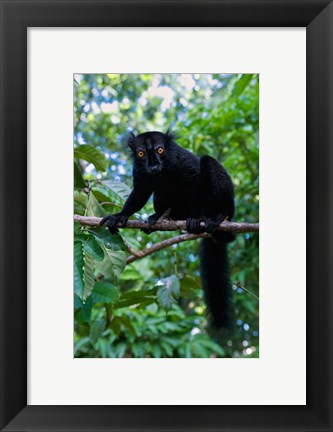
(141, 154)
(160, 150)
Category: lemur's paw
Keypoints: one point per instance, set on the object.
(153, 218)
(111, 221)
(193, 226)
(150, 222)
(211, 226)
(146, 230)
(213, 223)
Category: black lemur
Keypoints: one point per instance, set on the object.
(192, 189)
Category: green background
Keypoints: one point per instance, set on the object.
(154, 307)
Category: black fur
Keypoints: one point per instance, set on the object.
(197, 190)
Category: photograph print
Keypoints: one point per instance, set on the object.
(166, 215)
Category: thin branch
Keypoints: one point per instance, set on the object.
(168, 225)
(164, 244)
(131, 250)
(239, 285)
(249, 292)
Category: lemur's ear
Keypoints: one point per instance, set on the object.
(131, 140)
(170, 136)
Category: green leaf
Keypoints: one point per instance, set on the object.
(104, 238)
(84, 313)
(93, 248)
(79, 345)
(90, 154)
(189, 287)
(80, 202)
(217, 348)
(250, 306)
(167, 291)
(113, 264)
(89, 280)
(131, 274)
(134, 301)
(139, 349)
(79, 182)
(138, 293)
(93, 207)
(114, 256)
(199, 351)
(83, 271)
(78, 269)
(105, 194)
(126, 322)
(119, 188)
(167, 348)
(201, 343)
(96, 330)
(77, 302)
(115, 326)
(136, 298)
(104, 348)
(120, 349)
(104, 292)
(147, 302)
(77, 229)
(90, 244)
(241, 84)
(156, 351)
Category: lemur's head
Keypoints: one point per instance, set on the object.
(150, 149)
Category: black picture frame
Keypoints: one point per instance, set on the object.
(16, 17)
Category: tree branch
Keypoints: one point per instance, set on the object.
(169, 225)
(166, 225)
(164, 244)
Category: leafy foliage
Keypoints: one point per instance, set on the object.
(167, 292)
(153, 307)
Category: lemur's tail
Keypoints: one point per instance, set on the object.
(216, 282)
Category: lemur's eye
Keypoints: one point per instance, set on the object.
(160, 150)
(141, 154)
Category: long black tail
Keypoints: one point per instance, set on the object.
(216, 282)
